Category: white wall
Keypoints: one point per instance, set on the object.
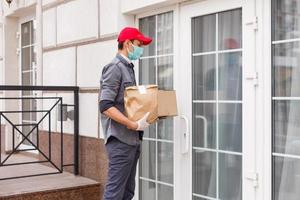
(90, 60)
(109, 14)
(45, 2)
(77, 20)
(49, 27)
(137, 6)
(88, 115)
(59, 67)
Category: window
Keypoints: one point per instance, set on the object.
(285, 99)
(217, 105)
(156, 67)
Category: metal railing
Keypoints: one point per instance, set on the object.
(45, 114)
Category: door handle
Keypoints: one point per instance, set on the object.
(186, 135)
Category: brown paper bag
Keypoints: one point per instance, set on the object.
(139, 100)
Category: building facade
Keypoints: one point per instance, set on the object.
(233, 63)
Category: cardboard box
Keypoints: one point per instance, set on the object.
(147, 98)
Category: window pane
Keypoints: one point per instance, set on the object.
(204, 125)
(204, 41)
(286, 173)
(25, 34)
(147, 190)
(286, 67)
(164, 192)
(26, 106)
(198, 198)
(26, 61)
(147, 160)
(204, 173)
(286, 127)
(230, 29)
(148, 27)
(165, 162)
(230, 177)
(285, 19)
(165, 73)
(230, 127)
(147, 71)
(26, 78)
(165, 33)
(150, 132)
(230, 76)
(165, 129)
(204, 77)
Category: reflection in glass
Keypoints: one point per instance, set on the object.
(286, 67)
(147, 160)
(230, 127)
(165, 73)
(165, 33)
(147, 27)
(165, 162)
(230, 29)
(147, 71)
(285, 23)
(25, 35)
(198, 198)
(230, 76)
(150, 132)
(204, 125)
(204, 77)
(204, 173)
(286, 178)
(164, 192)
(165, 129)
(230, 177)
(204, 33)
(286, 137)
(26, 59)
(147, 190)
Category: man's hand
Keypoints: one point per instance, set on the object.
(142, 123)
(116, 115)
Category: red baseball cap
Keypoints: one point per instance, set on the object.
(130, 33)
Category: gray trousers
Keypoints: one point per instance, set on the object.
(122, 170)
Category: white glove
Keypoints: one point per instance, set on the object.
(142, 123)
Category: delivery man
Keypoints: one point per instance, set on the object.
(122, 136)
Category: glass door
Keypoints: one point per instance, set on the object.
(285, 99)
(28, 77)
(156, 164)
(211, 99)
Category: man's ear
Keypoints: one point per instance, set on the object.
(126, 43)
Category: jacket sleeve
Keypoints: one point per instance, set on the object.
(105, 104)
(110, 83)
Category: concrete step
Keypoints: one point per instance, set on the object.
(60, 186)
(50, 187)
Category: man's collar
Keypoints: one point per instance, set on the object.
(126, 58)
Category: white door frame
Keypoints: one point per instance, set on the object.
(187, 11)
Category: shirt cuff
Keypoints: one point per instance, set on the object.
(105, 104)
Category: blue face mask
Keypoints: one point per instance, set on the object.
(136, 54)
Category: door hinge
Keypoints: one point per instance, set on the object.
(253, 77)
(252, 177)
(253, 23)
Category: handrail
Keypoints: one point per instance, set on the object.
(75, 90)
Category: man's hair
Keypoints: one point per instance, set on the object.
(121, 44)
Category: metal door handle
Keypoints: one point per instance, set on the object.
(186, 135)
